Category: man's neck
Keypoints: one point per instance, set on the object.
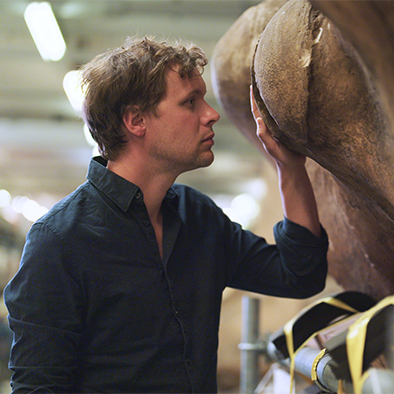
(154, 186)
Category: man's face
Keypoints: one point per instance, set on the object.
(180, 137)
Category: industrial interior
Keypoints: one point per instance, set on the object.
(45, 151)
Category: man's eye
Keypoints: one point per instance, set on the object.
(191, 101)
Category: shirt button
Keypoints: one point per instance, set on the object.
(138, 195)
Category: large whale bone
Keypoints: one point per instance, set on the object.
(320, 99)
(369, 26)
(318, 96)
(230, 66)
(355, 203)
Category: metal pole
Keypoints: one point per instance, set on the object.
(249, 346)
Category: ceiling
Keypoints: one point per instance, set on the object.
(43, 151)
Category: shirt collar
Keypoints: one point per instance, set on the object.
(119, 190)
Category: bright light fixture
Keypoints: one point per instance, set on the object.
(73, 89)
(91, 141)
(246, 205)
(45, 30)
(5, 198)
(32, 211)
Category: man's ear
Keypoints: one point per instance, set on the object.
(134, 120)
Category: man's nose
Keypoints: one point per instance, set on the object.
(212, 115)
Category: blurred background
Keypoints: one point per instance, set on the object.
(45, 151)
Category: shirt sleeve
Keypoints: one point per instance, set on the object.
(45, 315)
(295, 267)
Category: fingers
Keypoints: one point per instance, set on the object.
(255, 110)
(278, 151)
(262, 129)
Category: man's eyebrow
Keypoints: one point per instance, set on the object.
(196, 92)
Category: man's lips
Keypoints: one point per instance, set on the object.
(209, 138)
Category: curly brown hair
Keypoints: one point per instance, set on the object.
(132, 75)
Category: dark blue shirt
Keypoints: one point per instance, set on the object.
(94, 308)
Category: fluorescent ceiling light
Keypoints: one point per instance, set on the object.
(45, 31)
(73, 89)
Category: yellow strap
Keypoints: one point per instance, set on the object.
(288, 330)
(340, 387)
(314, 364)
(355, 344)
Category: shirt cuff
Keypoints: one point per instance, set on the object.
(300, 234)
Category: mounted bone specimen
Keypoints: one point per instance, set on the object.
(323, 93)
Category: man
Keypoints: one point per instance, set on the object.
(120, 284)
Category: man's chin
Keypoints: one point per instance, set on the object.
(208, 161)
(202, 163)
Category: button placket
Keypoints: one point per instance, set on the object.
(141, 214)
(187, 361)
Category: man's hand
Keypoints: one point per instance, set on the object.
(279, 152)
(296, 191)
